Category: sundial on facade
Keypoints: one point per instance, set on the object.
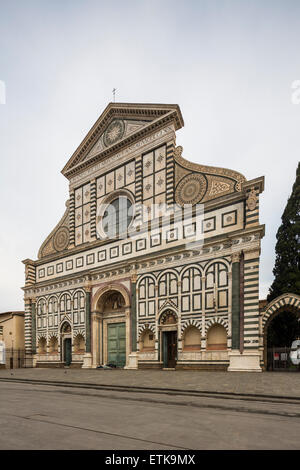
(114, 132)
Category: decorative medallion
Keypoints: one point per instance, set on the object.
(252, 200)
(178, 151)
(114, 132)
(61, 239)
(191, 189)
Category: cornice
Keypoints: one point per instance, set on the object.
(223, 201)
(226, 243)
(258, 183)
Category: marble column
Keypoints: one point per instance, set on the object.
(132, 355)
(95, 338)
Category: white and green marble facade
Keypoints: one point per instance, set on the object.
(204, 268)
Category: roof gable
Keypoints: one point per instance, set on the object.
(119, 125)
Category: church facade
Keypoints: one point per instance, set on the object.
(155, 262)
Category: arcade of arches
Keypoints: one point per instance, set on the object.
(111, 333)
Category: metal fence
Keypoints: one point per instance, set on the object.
(279, 360)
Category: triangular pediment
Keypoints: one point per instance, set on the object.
(119, 125)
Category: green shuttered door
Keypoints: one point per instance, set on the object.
(117, 344)
(68, 351)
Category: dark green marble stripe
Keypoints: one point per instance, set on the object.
(33, 328)
(133, 317)
(235, 305)
(88, 322)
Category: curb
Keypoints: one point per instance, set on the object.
(156, 390)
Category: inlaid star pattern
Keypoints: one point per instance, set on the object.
(113, 133)
(148, 187)
(160, 181)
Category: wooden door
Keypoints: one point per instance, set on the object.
(116, 344)
(169, 349)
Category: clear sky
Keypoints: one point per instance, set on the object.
(230, 65)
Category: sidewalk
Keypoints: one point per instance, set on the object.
(285, 384)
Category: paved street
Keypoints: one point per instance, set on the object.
(51, 417)
(265, 383)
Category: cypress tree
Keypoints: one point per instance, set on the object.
(287, 262)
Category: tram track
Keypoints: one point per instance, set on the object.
(161, 391)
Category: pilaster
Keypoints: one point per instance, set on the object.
(93, 209)
(133, 314)
(170, 173)
(33, 325)
(72, 219)
(87, 358)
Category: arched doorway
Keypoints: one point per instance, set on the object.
(281, 330)
(66, 340)
(111, 310)
(168, 338)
